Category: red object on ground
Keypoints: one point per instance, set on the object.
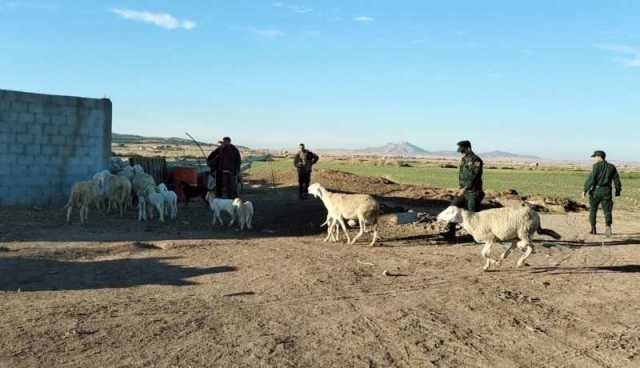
(188, 175)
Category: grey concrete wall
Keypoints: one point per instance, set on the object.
(47, 143)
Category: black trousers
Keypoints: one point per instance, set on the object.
(304, 180)
(226, 185)
(471, 201)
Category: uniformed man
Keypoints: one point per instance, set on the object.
(470, 193)
(599, 189)
(304, 162)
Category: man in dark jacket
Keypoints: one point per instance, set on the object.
(598, 187)
(304, 162)
(470, 194)
(225, 162)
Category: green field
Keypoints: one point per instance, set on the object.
(556, 182)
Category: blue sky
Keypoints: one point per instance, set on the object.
(553, 78)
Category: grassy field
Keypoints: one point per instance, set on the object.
(556, 182)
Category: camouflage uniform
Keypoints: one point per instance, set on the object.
(599, 188)
(470, 179)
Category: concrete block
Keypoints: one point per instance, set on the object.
(7, 138)
(7, 159)
(57, 139)
(4, 148)
(36, 107)
(59, 120)
(17, 149)
(33, 149)
(66, 130)
(18, 106)
(50, 130)
(27, 118)
(19, 127)
(25, 138)
(42, 118)
(49, 150)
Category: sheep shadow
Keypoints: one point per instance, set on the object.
(37, 274)
(630, 268)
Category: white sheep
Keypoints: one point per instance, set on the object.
(341, 207)
(170, 201)
(244, 213)
(499, 225)
(115, 189)
(145, 189)
(102, 199)
(219, 205)
(83, 194)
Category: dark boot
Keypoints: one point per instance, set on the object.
(608, 232)
(593, 230)
(450, 234)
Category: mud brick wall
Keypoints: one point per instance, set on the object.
(47, 143)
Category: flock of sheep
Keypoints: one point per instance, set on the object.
(108, 191)
(515, 225)
(490, 227)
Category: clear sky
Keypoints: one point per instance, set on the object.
(553, 78)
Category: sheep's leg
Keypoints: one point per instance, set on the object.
(527, 248)
(360, 233)
(161, 212)
(82, 214)
(507, 252)
(69, 214)
(486, 253)
(233, 218)
(330, 224)
(335, 232)
(375, 235)
(344, 228)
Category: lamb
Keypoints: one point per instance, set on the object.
(83, 193)
(145, 189)
(341, 207)
(497, 225)
(170, 201)
(244, 213)
(219, 205)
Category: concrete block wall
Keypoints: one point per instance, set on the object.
(49, 142)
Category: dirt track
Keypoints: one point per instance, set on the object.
(119, 293)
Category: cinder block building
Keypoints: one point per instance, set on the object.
(49, 142)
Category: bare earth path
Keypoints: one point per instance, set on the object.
(116, 293)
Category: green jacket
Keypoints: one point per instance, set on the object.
(470, 175)
(602, 175)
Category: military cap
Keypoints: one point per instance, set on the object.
(463, 144)
(599, 154)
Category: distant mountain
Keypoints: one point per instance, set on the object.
(406, 149)
(396, 149)
(138, 139)
(508, 156)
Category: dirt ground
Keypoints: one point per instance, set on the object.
(119, 293)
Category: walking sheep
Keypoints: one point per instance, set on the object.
(170, 201)
(244, 213)
(83, 194)
(341, 207)
(499, 225)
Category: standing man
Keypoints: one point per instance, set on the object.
(304, 162)
(598, 187)
(225, 162)
(470, 193)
